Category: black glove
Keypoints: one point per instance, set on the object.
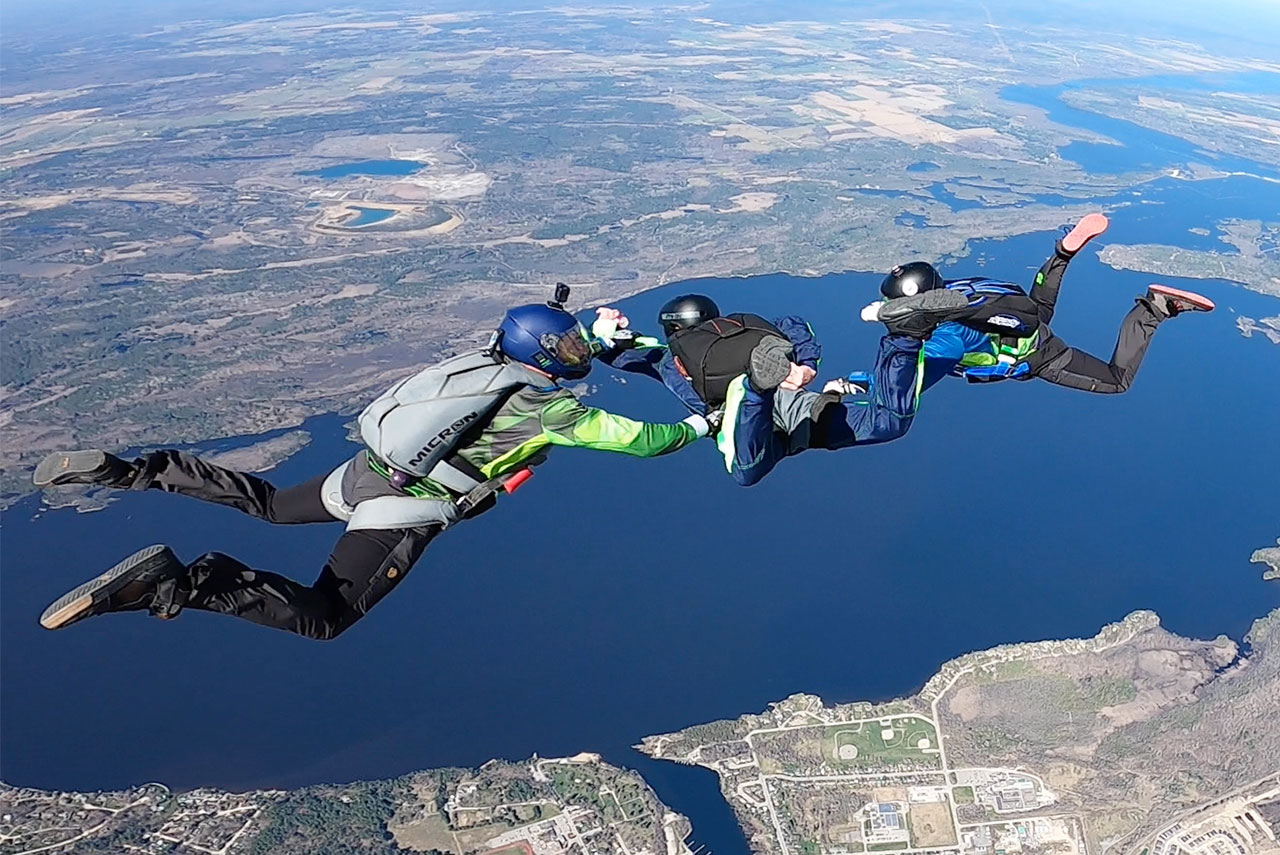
(624, 339)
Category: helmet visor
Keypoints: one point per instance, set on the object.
(681, 318)
(571, 348)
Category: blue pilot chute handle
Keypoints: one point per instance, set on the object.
(867, 381)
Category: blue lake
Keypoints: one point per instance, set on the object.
(941, 192)
(369, 216)
(367, 167)
(660, 595)
(1141, 148)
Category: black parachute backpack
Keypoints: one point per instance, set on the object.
(997, 308)
(716, 351)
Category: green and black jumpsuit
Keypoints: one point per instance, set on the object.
(366, 564)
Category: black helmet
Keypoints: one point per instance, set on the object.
(686, 311)
(907, 280)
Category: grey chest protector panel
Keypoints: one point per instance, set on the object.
(414, 427)
(418, 422)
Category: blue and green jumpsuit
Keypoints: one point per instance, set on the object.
(761, 428)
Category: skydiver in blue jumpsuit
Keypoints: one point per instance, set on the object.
(767, 415)
(652, 358)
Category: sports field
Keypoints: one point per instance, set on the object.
(521, 848)
(900, 739)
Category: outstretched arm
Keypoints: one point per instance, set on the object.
(641, 359)
(680, 386)
(568, 422)
(635, 354)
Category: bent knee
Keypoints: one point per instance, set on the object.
(326, 630)
(1117, 385)
(330, 624)
(889, 429)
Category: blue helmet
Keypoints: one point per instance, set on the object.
(546, 337)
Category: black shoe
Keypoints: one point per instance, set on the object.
(770, 363)
(91, 466)
(917, 316)
(129, 586)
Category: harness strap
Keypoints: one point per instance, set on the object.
(456, 474)
(471, 485)
(999, 371)
(483, 491)
(510, 482)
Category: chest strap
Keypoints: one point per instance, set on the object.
(455, 474)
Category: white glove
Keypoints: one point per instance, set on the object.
(607, 323)
(871, 313)
(843, 386)
(699, 424)
(605, 329)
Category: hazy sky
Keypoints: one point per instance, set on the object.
(1230, 17)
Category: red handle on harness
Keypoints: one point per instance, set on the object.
(513, 483)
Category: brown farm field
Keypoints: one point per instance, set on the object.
(931, 825)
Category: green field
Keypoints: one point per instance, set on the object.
(875, 749)
(617, 799)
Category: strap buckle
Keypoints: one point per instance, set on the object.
(508, 483)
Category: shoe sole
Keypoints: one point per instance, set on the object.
(1197, 302)
(771, 365)
(938, 302)
(67, 463)
(72, 605)
(1089, 227)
